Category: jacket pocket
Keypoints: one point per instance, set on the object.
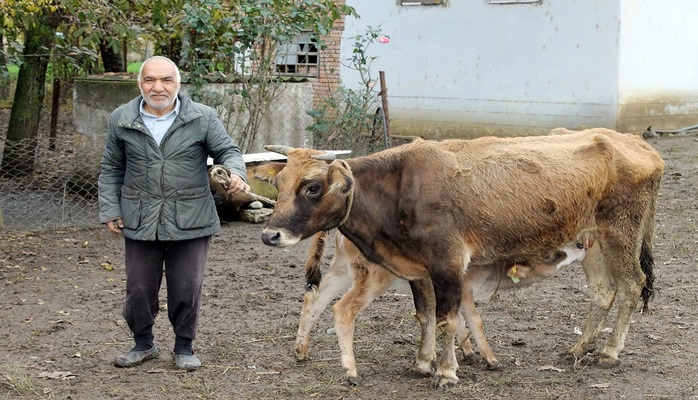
(130, 207)
(195, 208)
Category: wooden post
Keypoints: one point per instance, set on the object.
(55, 99)
(124, 54)
(384, 105)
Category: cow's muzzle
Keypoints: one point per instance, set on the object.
(271, 238)
(279, 237)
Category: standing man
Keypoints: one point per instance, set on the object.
(153, 189)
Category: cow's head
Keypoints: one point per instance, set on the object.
(315, 193)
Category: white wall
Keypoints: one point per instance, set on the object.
(471, 65)
(659, 62)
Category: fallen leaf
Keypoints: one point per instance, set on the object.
(63, 375)
(107, 266)
(550, 368)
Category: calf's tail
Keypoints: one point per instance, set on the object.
(313, 273)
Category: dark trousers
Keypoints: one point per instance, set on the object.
(183, 263)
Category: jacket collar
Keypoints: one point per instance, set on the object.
(131, 117)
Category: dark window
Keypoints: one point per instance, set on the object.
(299, 57)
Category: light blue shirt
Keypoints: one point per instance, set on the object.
(158, 126)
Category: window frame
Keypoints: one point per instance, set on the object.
(301, 61)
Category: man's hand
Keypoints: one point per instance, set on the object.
(237, 185)
(115, 226)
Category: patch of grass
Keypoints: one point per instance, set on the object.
(225, 350)
(133, 67)
(322, 387)
(204, 388)
(18, 380)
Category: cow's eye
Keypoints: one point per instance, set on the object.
(313, 190)
(580, 245)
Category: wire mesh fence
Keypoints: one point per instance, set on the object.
(44, 183)
(40, 189)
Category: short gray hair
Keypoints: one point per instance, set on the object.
(178, 76)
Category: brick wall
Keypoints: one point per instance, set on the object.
(329, 80)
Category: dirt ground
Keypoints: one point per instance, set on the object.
(61, 295)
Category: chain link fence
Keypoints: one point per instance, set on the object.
(43, 191)
(44, 183)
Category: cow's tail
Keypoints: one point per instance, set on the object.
(313, 273)
(647, 265)
(646, 257)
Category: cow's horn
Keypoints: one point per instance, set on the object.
(325, 156)
(276, 148)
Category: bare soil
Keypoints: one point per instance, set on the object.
(61, 294)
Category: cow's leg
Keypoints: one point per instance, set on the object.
(627, 300)
(425, 306)
(447, 366)
(602, 293)
(463, 339)
(370, 281)
(448, 287)
(336, 281)
(629, 280)
(472, 318)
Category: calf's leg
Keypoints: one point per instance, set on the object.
(336, 281)
(474, 322)
(369, 283)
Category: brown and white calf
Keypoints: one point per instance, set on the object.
(427, 210)
(366, 281)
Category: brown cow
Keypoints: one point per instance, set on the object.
(349, 269)
(426, 210)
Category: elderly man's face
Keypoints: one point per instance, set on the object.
(159, 86)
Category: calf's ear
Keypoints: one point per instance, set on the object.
(267, 172)
(340, 178)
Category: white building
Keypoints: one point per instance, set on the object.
(505, 67)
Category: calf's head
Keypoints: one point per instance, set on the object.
(314, 194)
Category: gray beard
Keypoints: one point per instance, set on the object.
(174, 98)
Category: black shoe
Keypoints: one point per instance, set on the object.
(135, 357)
(189, 362)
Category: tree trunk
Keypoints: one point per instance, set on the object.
(4, 73)
(111, 60)
(18, 158)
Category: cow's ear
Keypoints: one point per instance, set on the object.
(267, 172)
(340, 178)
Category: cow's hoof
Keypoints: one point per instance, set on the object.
(470, 359)
(353, 381)
(567, 356)
(495, 366)
(302, 357)
(417, 373)
(439, 381)
(574, 358)
(422, 368)
(605, 361)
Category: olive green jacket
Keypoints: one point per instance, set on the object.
(162, 192)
